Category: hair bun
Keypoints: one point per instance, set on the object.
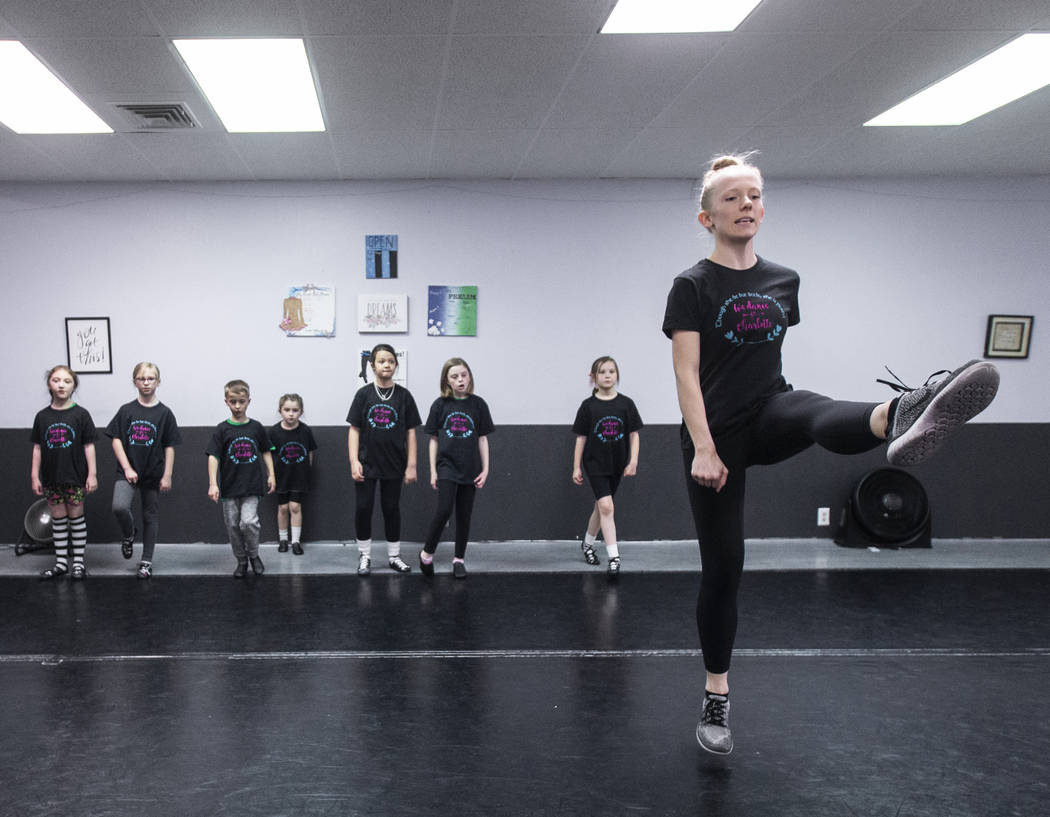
(720, 162)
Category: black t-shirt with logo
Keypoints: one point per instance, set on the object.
(144, 432)
(384, 425)
(291, 457)
(239, 448)
(457, 425)
(742, 317)
(62, 435)
(607, 425)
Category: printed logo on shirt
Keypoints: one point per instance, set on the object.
(59, 435)
(609, 429)
(459, 425)
(292, 453)
(750, 317)
(141, 432)
(382, 416)
(242, 451)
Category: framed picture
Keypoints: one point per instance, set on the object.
(381, 256)
(88, 346)
(1008, 336)
(452, 311)
(382, 313)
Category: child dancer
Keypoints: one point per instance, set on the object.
(459, 424)
(144, 434)
(240, 470)
(382, 444)
(726, 318)
(63, 469)
(294, 443)
(607, 444)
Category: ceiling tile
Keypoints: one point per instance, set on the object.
(505, 82)
(380, 83)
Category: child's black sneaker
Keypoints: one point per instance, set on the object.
(589, 556)
(282, 546)
(127, 545)
(364, 565)
(399, 564)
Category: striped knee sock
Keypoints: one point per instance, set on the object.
(78, 533)
(60, 535)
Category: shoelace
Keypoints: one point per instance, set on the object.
(900, 385)
(714, 711)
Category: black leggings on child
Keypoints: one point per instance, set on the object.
(390, 502)
(452, 495)
(785, 425)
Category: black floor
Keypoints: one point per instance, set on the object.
(854, 693)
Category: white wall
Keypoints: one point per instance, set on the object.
(193, 277)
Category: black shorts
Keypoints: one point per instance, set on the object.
(290, 496)
(604, 485)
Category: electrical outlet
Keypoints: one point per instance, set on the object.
(823, 517)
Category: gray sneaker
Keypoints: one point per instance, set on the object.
(364, 565)
(713, 730)
(927, 415)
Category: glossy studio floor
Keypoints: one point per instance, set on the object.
(865, 683)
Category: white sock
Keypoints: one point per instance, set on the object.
(614, 552)
(590, 538)
(393, 549)
(364, 547)
(296, 533)
(282, 534)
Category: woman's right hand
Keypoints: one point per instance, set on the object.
(577, 476)
(708, 470)
(357, 471)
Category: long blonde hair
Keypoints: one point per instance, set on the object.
(446, 389)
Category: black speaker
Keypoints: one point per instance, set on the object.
(888, 508)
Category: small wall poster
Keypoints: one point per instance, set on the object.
(400, 374)
(452, 311)
(381, 256)
(382, 313)
(309, 312)
(88, 345)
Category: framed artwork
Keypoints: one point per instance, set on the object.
(1008, 336)
(382, 313)
(380, 256)
(88, 345)
(452, 311)
(309, 312)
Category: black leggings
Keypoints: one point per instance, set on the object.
(389, 500)
(786, 424)
(452, 495)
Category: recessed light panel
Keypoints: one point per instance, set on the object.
(34, 100)
(256, 85)
(1018, 68)
(676, 16)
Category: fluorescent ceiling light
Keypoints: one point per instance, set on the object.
(256, 86)
(1018, 68)
(676, 16)
(33, 100)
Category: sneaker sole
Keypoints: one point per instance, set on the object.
(960, 401)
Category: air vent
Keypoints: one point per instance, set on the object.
(158, 116)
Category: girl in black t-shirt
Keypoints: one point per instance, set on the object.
(458, 424)
(382, 445)
(63, 469)
(607, 443)
(727, 317)
(144, 434)
(293, 460)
